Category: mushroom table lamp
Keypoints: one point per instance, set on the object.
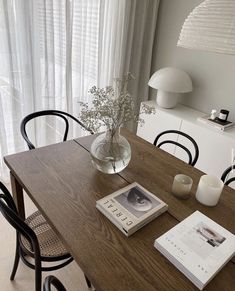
(170, 83)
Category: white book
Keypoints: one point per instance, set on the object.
(216, 123)
(131, 207)
(198, 247)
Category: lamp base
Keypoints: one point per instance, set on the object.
(167, 99)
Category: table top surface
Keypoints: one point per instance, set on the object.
(64, 185)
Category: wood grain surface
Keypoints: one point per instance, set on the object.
(155, 169)
(63, 184)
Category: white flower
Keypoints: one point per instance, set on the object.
(112, 106)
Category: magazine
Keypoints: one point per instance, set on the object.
(198, 247)
(131, 207)
(216, 123)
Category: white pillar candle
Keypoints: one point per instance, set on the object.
(209, 190)
(182, 185)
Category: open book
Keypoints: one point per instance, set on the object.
(198, 247)
(131, 207)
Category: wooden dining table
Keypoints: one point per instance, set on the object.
(62, 182)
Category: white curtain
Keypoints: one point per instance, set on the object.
(53, 51)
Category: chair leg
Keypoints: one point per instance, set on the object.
(38, 275)
(16, 261)
(88, 281)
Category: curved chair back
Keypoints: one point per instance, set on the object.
(53, 281)
(225, 176)
(63, 115)
(9, 211)
(27, 241)
(6, 196)
(192, 159)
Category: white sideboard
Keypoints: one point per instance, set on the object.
(215, 147)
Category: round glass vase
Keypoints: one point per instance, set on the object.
(110, 152)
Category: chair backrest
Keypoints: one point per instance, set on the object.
(61, 114)
(225, 176)
(9, 211)
(192, 159)
(53, 281)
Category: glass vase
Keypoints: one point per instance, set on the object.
(110, 152)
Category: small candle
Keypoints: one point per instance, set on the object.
(209, 190)
(223, 115)
(182, 185)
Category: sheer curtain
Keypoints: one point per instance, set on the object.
(53, 51)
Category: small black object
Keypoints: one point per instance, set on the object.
(223, 115)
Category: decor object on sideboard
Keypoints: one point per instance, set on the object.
(223, 115)
(170, 83)
(210, 27)
(213, 114)
(111, 108)
(220, 122)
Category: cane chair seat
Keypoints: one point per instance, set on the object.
(49, 243)
(36, 239)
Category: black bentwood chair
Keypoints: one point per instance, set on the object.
(192, 160)
(225, 176)
(61, 114)
(53, 281)
(34, 239)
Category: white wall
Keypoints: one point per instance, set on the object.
(213, 74)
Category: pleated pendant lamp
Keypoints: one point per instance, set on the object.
(210, 27)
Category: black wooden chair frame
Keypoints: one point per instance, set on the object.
(9, 211)
(192, 161)
(225, 174)
(57, 113)
(53, 281)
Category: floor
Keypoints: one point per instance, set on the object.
(71, 275)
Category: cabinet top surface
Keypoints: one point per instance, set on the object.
(191, 115)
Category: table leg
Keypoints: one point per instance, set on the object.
(17, 192)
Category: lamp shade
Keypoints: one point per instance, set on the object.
(171, 80)
(211, 27)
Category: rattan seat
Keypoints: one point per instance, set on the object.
(34, 239)
(49, 243)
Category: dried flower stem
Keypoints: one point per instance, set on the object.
(111, 107)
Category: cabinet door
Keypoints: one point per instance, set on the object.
(215, 149)
(155, 124)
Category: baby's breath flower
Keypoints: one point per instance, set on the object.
(112, 106)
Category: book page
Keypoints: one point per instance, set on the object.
(202, 239)
(199, 244)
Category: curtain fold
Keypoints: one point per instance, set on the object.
(53, 51)
(130, 48)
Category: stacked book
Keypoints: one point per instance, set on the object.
(131, 207)
(198, 247)
(216, 123)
